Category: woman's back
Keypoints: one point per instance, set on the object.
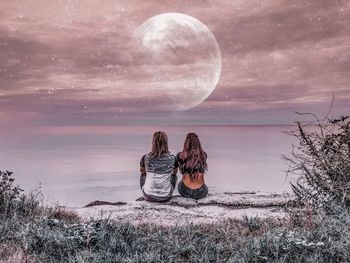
(192, 177)
(158, 170)
(192, 163)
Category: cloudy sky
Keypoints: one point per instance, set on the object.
(67, 63)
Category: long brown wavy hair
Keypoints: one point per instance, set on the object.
(159, 144)
(193, 155)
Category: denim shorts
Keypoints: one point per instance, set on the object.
(192, 193)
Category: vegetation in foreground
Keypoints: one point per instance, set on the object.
(318, 231)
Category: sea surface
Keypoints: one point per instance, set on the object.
(75, 167)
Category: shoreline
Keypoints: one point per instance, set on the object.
(214, 208)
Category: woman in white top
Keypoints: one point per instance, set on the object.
(158, 170)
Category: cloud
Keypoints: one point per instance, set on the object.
(278, 56)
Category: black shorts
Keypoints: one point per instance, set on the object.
(192, 193)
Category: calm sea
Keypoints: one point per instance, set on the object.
(75, 168)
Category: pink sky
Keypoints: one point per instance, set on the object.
(59, 57)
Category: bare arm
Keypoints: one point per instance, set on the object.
(142, 170)
(142, 166)
(176, 166)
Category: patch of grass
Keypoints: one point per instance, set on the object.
(328, 240)
(252, 223)
(53, 235)
(53, 240)
(62, 214)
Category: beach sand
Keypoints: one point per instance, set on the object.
(178, 211)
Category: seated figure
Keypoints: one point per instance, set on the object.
(192, 163)
(158, 171)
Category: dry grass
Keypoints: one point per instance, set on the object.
(321, 160)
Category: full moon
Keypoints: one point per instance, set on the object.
(178, 59)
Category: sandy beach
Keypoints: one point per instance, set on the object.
(178, 211)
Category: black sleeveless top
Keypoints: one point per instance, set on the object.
(198, 169)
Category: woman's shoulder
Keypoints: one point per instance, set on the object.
(178, 155)
(163, 156)
(171, 155)
(142, 161)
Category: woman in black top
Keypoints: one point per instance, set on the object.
(192, 163)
